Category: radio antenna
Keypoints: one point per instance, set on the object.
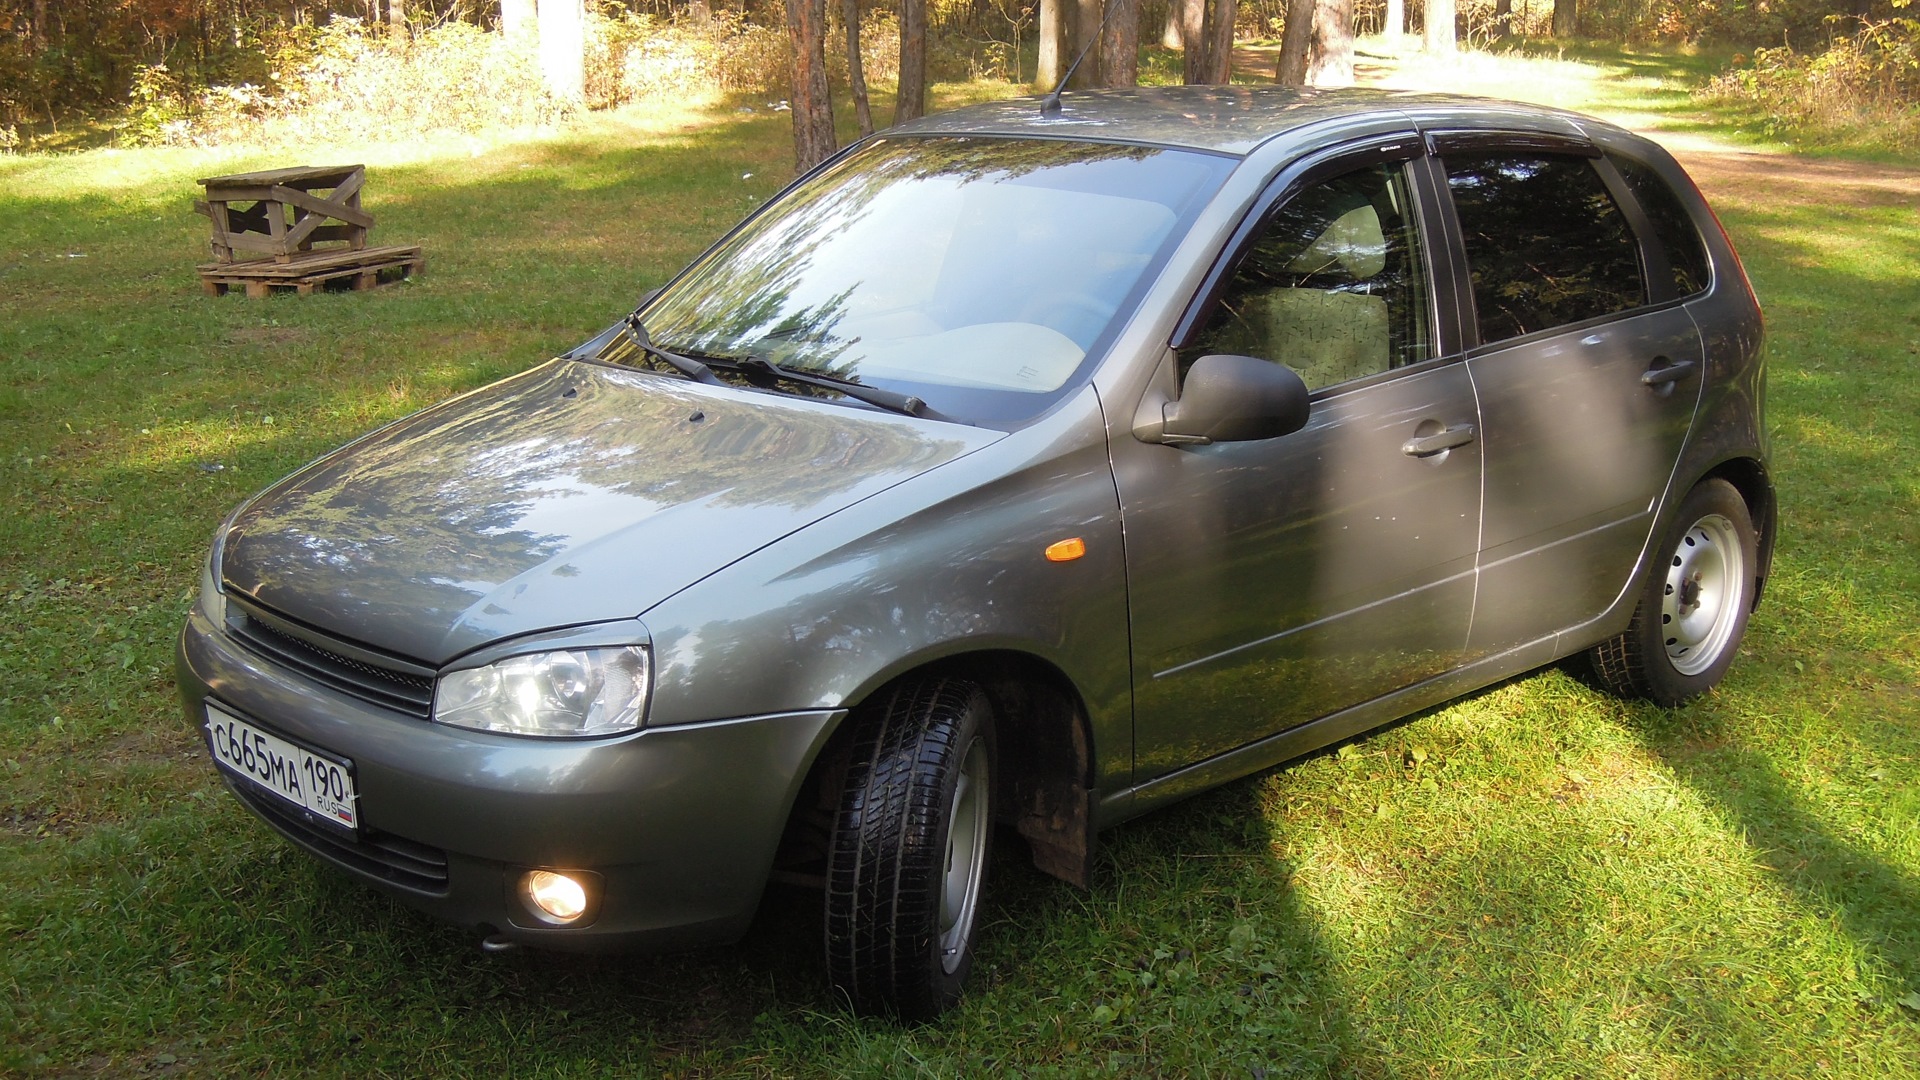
(1051, 106)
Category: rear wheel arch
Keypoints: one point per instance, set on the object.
(1750, 478)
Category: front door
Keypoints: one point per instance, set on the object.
(1275, 581)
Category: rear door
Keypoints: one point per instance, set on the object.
(1588, 370)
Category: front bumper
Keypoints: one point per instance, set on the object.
(680, 823)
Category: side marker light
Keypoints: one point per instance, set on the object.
(1066, 550)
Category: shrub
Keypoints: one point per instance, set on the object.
(1864, 87)
(352, 81)
(636, 57)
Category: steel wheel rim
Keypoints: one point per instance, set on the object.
(967, 829)
(1705, 588)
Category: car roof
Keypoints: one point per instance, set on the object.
(1235, 119)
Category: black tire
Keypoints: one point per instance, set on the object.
(1694, 605)
(899, 935)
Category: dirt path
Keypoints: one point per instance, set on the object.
(1728, 173)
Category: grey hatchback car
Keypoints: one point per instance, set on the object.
(1016, 468)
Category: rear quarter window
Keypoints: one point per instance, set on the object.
(1545, 243)
(1671, 224)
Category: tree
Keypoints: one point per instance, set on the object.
(1439, 27)
(1193, 38)
(1087, 26)
(516, 17)
(563, 47)
(856, 72)
(911, 101)
(1220, 42)
(1395, 20)
(813, 140)
(397, 19)
(1207, 30)
(1566, 17)
(1120, 44)
(1332, 62)
(1296, 38)
(1054, 44)
(1502, 19)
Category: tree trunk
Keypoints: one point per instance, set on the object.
(1396, 20)
(1296, 37)
(1220, 43)
(397, 19)
(37, 33)
(1566, 18)
(1120, 44)
(1502, 19)
(700, 11)
(812, 108)
(1054, 40)
(1086, 39)
(563, 47)
(1332, 62)
(516, 18)
(1193, 31)
(1439, 28)
(856, 74)
(1170, 37)
(910, 103)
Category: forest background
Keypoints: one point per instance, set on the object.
(75, 73)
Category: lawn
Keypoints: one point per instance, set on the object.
(1535, 880)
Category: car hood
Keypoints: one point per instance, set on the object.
(571, 494)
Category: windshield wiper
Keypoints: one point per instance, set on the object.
(698, 371)
(685, 365)
(905, 404)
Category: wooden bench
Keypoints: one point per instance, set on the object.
(288, 215)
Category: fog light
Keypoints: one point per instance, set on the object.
(557, 896)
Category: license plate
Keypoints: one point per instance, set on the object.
(316, 783)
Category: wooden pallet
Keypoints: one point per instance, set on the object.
(307, 273)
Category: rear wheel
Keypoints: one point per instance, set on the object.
(909, 849)
(1693, 609)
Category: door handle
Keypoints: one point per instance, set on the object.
(1429, 445)
(1672, 373)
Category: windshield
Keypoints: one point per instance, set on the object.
(978, 274)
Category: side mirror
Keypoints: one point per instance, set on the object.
(1235, 399)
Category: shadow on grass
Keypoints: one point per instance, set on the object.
(1875, 902)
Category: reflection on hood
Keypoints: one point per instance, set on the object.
(573, 493)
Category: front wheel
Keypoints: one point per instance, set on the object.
(908, 854)
(1693, 609)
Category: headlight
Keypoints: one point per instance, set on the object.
(573, 693)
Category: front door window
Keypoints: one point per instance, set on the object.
(1334, 285)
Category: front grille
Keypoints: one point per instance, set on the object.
(396, 861)
(402, 691)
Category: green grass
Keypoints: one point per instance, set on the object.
(1536, 880)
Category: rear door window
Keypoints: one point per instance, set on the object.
(1545, 243)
